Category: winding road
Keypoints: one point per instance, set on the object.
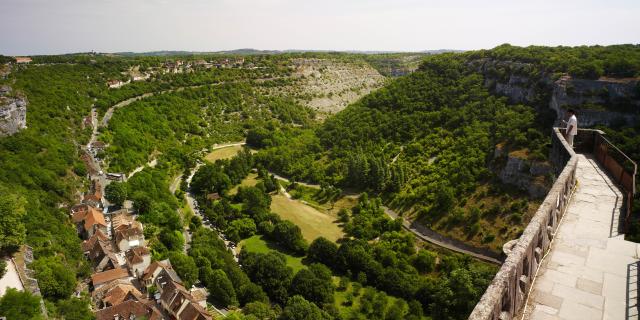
(424, 233)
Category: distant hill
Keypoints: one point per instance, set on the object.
(250, 51)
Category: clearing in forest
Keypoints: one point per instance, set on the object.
(223, 153)
(256, 244)
(312, 222)
(250, 181)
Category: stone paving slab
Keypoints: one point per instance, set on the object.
(591, 271)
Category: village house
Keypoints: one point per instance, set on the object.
(90, 221)
(140, 77)
(213, 196)
(115, 293)
(199, 296)
(88, 244)
(114, 84)
(97, 146)
(101, 254)
(22, 60)
(179, 303)
(138, 259)
(159, 273)
(128, 236)
(103, 278)
(94, 196)
(130, 310)
(121, 217)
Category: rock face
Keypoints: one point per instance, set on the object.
(526, 175)
(512, 79)
(622, 96)
(605, 101)
(13, 112)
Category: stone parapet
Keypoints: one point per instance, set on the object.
(507, 293)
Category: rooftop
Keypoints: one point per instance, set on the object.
(109, 275)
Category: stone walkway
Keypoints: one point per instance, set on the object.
(591, 272)
(11, 279)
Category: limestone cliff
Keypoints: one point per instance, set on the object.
(525, 174)
(604, 101)
(13, 112)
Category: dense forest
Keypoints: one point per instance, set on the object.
(421, 283)
(425, 142)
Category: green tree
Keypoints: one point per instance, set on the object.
(20, 305)
(270, 271)
(12, 229)
(323, 250)
(172, 240)
(298, 308)
(260, 310)
(314, 284)
(221, 288)
(116, 193)
(75, 309)
(425, 261)
(185, 267)
(54, 278)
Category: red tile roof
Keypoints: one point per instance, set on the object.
(126, 309)
(136, 255)
(109, 275)
(92, 218)
(98, 235)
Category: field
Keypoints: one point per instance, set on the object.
(312, 222)
(258, 245)
(250, 181)
(222, 153)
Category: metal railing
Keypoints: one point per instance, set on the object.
(616, 163)
(507, 293)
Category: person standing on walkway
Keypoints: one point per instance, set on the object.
(572, 126)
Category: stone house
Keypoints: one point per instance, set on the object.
(103, 278)
(90, 221)
(179, 303)
(138, 260)
(128, 236)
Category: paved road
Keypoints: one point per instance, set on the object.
(431, 236)
(425, 233)
(591, 272)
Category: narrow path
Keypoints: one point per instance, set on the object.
(109, 113)
(11, 279)
(431, 236)
(590, 272)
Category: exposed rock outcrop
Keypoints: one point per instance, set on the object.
(13, 112)
(605, 101)
(620, 96)
(513, 80)
(527, 175)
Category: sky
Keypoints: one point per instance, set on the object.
(33, 27)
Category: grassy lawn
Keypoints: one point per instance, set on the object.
(258, 245)
(312, 222)
(250, 181)
(223, 153)
(316, 199)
